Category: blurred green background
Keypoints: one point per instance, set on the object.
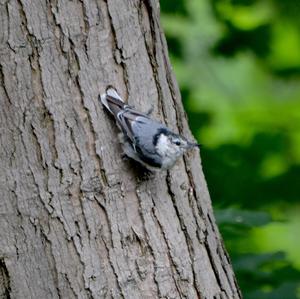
(238, 66)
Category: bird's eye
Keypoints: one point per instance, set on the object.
(177, 142)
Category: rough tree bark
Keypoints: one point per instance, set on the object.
(75, 220)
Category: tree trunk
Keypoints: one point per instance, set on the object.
(76, 220)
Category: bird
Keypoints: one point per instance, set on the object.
(144, 139)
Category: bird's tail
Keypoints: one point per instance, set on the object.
(112, 101)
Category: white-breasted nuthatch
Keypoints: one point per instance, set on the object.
(145, 140)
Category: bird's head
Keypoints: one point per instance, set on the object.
(170, 144)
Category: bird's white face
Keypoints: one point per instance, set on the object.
(171, 146)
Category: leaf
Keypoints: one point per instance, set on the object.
(285, 291)
(242, 217)
(251, 262)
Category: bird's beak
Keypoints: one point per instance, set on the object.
(192, 144)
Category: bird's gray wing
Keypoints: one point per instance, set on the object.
(129, 120)
(141, 129)
(144, 131)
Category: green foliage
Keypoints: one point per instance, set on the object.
(238, 65)
(243, 218)
(266, 276)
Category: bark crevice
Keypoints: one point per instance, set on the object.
(5, 288)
